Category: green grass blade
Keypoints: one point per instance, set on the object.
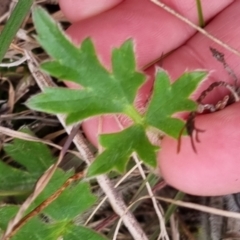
(13, 24)
(172, 208)
(200, 14)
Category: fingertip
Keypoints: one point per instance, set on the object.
(215, 169)
(79, 10)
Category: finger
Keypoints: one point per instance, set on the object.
(79, 10)
(215, 169)
(153, 30)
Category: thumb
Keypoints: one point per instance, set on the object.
(215, 168)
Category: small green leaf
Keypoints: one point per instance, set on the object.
(37, 229)
(14, 181)
(73, 201)
(34, 229)
(102, 92)
(119, 147)
(57, 180)
(7, 212)
(34, 159)
(169, 99)
(34, 156)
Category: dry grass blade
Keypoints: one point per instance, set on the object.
(105, 198)
(27, 137)
(14, 64)
(189, 205)
(40, 185)
(201, 208)
(157, 207)
(11, 95)
(174, 228)
(6, 9)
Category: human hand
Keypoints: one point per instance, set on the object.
(215, 169)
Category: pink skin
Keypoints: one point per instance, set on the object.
(215, 170)
(79, 10)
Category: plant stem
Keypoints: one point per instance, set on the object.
(134, 115)
(200, 14)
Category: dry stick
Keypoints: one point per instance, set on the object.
(199, 29)
(114, 197)
(190, 205)
(105, 198)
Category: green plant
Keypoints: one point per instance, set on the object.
(34, 159)
(110, 93)
(103, 92)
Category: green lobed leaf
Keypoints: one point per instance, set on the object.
(34, 159)
(73, 201)
(7, 212)
(119, 147)
(34, 229)
(34, 156)
(169, 99)
(14, 181)
(57, 180)
(102, 92)
(76, 199)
